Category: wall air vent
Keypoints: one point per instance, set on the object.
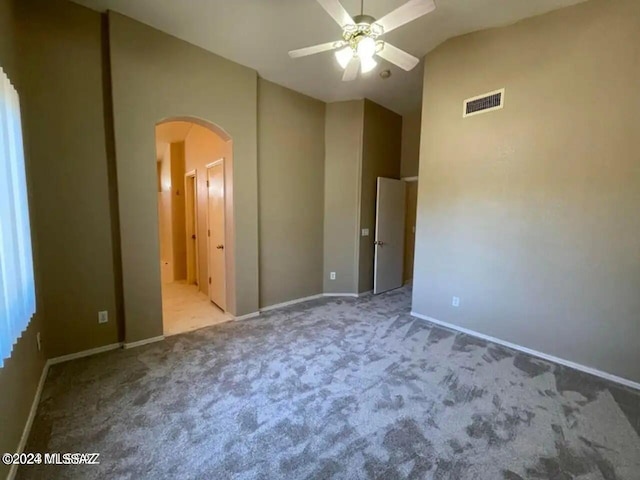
(483, 103)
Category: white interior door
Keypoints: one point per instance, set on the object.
(389, 241)
(216, 233)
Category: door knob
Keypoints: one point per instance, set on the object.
(193, 236)
(220, 247)
(378, 242)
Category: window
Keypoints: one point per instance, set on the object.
(17, 291)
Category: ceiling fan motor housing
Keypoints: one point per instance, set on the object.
(360, 19)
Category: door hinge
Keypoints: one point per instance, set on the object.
(208, 233)
(209, 280)
(207, 183)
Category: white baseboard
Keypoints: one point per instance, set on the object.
(43, 376)
(535, 353)
(84, 353)
(247, 316)
(140, 343)
(32, 415)
(291, 302)
(299, 300)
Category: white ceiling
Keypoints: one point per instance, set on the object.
(259, 33)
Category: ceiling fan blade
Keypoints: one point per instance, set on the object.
(351, 72)
(337, 12)
(406, 13)
(398, 57)
(303, 52)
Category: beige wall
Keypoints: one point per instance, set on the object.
(171, 213)
(410, 144)
(291, 188)
(530, 214)
(19, 379)
(178, 225)
(380, 158)
(409, 229)
(198, 84)
(342, 173)
(202, 146)
(164, 216)
(62, 101)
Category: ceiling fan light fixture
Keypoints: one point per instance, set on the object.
(376, 30)
(344, 56)
(360, 41)
(367, 64)
(366, 48)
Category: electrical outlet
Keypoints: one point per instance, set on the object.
(103, 317)
(332, 275)
(455, 301)
(38, 341)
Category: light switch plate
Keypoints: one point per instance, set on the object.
(365, 232)
(103, 317)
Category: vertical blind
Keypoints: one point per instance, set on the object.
(17, 290)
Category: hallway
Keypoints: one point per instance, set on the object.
(185, 309)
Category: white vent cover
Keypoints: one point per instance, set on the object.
(483, 103)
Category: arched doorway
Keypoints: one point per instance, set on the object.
(194, 160)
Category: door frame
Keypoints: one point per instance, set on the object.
(224, 207)
(193, 174)
(377, 242)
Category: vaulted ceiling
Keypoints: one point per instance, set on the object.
(259, 33)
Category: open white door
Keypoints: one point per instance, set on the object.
(389, 241)
(216, 233)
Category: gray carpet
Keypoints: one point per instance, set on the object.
(334, 388)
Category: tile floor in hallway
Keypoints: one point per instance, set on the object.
(185, 309)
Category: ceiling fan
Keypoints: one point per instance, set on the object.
(360, 37)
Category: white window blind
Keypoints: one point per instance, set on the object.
(17, 290)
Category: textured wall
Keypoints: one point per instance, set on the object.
(178, 225)
(409, 229)
(380, 158)
(145, 92)
(530, 214)
(164, 216)
(411, 125)
(291, 193)
(343, 162)
(410, 144)
(62, 101)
